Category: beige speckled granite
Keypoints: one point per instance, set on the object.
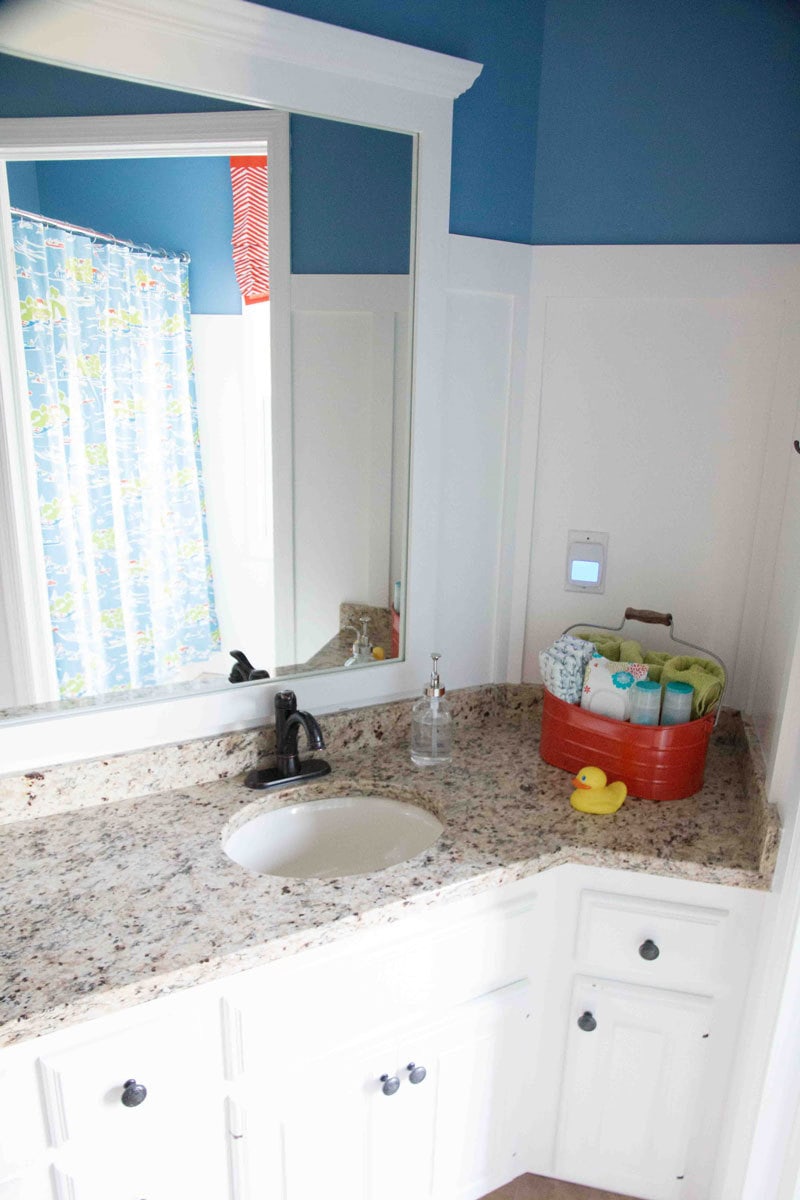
(120, 902)
(163, 768)
(95, 781)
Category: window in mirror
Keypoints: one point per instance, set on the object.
(179, 506)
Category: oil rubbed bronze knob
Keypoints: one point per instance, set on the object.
(587, 1022)
(133, 1094)
(390, 1084)
(649, 950)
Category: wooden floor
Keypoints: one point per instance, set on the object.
(536, 1187)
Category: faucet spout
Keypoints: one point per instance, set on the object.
(289, 720)
(286, 744)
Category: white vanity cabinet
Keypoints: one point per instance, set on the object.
(429, 1109)
(389, 1071)
(437, 1057)
(656, 991)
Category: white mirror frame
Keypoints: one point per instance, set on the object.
(241, 52)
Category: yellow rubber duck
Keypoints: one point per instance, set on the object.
(594, 794)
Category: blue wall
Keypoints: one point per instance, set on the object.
(669, 121)
(593, 120)
(494, 123)
(351, 199)
(23, 186)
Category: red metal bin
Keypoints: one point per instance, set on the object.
(655, 762)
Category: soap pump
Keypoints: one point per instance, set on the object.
(362, 647)
(432, 724)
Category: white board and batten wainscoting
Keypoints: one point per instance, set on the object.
(657, 400)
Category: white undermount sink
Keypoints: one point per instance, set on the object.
(335, 836)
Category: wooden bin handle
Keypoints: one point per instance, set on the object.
(648, 616)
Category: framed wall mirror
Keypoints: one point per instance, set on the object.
(208, 443)
(248, 56)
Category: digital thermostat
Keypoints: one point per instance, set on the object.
(587, 553)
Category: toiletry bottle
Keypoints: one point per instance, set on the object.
(677, 706)
(645, 702)
(432, 724)
(362, 648)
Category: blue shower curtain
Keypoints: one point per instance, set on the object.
(106, 333)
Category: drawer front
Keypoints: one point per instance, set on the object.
(477, 955)
(678, 945)
(178, 1062)
(331, 1001)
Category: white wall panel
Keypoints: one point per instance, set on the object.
(484, 401)
(651, 421)
(773, 611)
(349, 366)
(233, 406)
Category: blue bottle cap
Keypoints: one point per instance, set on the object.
(681, 688)
(649, 685)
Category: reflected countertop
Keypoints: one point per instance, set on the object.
(131, 895)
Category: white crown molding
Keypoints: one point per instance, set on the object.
(54, 30)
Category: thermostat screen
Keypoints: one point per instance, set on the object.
(582, 571)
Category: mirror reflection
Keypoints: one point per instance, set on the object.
(186, 518)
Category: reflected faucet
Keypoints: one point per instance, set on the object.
(243, 670)
(288, 769)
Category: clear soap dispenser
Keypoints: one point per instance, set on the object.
(362, 648)
(432, 724)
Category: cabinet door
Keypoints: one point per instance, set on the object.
(634, 1063)
(169, 1143)
(482, 1059)
(29, 1185)
(166, 1173)
(22, 1128)
(326, 1126)
(302, 1124)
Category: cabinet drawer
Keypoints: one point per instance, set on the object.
(677, 944)
(330, 1001)
(178, 1062)
(481, 954)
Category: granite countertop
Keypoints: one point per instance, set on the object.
(120, 900)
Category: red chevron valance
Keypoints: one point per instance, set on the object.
(250, 239)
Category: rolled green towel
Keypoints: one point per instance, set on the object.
(607, 644)
(655, 660)
(630, 651)
(706, 677)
